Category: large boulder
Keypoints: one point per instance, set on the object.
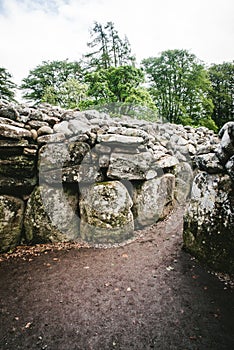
(153, 199)
(11, 221)
(105, 210)
(51, 215)
(209, 221)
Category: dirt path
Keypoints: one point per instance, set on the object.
(148, 294)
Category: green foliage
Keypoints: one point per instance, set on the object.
(118, 84)
(117, 90)
(108, 49)
(69, 95)
(44, 83)
(222, 93)
(7, 87)
(180, 87)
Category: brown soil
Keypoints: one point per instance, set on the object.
(148, 294)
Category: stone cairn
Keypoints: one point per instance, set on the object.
(67, 175)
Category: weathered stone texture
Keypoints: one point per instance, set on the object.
(209, 221)
(11, 221)
(51, 216)
(153, 199)
(106, 215)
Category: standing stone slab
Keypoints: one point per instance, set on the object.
(183, 183)
(11, 220)
(209, 221)
(51, 216)
(153, 199)
(106, 215)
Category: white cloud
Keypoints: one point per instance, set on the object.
(33, 31)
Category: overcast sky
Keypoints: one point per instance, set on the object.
(32, 31)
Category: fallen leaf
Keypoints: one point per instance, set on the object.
(193, 337)
(169, 268)
(28, 325)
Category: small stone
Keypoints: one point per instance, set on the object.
(44, 130)
(53, 138)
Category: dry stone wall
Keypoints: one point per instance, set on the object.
(70, 175)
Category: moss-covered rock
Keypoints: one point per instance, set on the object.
(106, 215)
(153, 199)
(11, 220)
(51, 215)
(209, 221)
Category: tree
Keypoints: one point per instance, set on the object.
(6, 85)
(113, 84)
(222, 93)
(180, 87)
(120, 89)
(109, 48)
(73, 93)
(44, 83)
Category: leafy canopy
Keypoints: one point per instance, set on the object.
(222, 93)
(180, 87)
(44, 83)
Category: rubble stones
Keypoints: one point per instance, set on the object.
(79, 151)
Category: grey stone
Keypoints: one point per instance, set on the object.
(11, 122)
(14, 132)
(209, 221)
(36, 124)
(11, 221)
(51, 216)
(44, 130)
(99, 148)
(209, 163)
(58, 137)
(166, 162)
(120, 139)
(53, 156)
(78, 127)
(106, 215)
(153, 200)
(183, 182)
(63, 128)
(229, 127)
(117, 130)
(129, 166)
(77, 152)
(9, 112)
(230, 167)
